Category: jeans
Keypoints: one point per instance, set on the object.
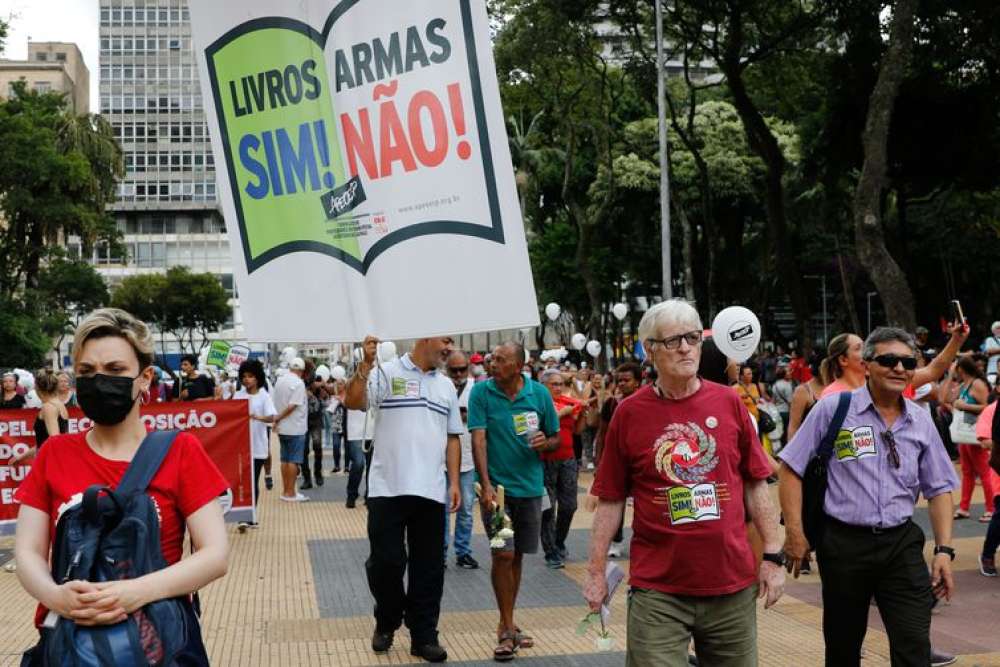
(405, 532)
(992, 535)
(463, 517)
(561, 483)
(315, 438)
(335, 440)
(356, 455)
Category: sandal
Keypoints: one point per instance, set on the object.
(506, 647)
(523, 640)
(960, 514)
(985, 517)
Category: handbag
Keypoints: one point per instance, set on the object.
(963, 428)
(814, 480)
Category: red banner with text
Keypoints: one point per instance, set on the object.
(223, 427)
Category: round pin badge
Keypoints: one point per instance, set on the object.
(711, 422)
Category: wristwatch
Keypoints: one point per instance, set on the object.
(945, 550)
(776, 558)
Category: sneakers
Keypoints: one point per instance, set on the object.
(242, 526)
(615, 550)
(334, 470)
(319, 481)
(805, 568)
(563, 553)
(297, 498)
(381, 641)
(590, 465)
(987, 566)
(432, 652)
(939, 659)
(305, 486)
(268, 482)
(466, 562)
(554, 563)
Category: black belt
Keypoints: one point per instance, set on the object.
(869, 530)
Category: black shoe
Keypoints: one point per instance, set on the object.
(319, 481)
(268, 482)
(351, 503)
(467, 562)
(305, 486)
(805, 568)
(940, 658)
(381, 641)
(433, 652)
(335, 470)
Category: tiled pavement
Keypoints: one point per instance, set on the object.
(296, 595)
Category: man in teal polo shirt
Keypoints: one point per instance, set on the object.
(512, 420)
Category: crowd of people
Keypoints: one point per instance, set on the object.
(690, 439)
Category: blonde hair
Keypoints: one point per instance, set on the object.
(46, 382)
(115, 322)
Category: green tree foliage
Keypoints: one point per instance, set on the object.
(67, 290)
(180, 302)
(23, 340)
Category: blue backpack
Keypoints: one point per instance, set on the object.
(110, 536)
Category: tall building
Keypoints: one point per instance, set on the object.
(50, 67)
(166, 207)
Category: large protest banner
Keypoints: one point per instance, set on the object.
(223, 427)
(364, 170)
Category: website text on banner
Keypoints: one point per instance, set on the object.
(223, 427)
(363, 166)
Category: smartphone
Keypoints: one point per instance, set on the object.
(956, 311)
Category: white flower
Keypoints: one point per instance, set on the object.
(605, 643)
(497, 543)
(505, 533)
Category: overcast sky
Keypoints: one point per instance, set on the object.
(54, 21)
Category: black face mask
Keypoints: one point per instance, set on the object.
(105, 399)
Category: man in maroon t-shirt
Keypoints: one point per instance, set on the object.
(686, 451)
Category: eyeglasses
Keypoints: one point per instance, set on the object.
(674, 342)
(890, 361)
(890, 440)
(458, 369)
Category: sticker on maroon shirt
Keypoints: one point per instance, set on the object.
(685, 454)
(698, 502)
(856, 443)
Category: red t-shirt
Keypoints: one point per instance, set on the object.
(66, 466)
(799, 370)
(684, 463)
(567, 427)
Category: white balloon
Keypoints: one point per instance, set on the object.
(323, 372)
(289, 353)
(593, 348)
(338, 373)
(736, 332)
(387, 351)
(552, 311)
(579, 341)
(619, 310)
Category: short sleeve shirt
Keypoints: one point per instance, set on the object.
(685, 463)
(417, 411)
(864, 488)
(259, 405)
(984, 424)
(567, 427)
(507, 422)
(291, 390)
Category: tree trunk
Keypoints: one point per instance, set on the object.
(848, 286)
(882, 268)
(686, 252)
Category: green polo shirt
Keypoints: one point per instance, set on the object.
(511, 462)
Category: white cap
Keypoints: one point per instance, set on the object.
(297, 364)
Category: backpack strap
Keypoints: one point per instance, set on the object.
(826, 445)
(147, 462)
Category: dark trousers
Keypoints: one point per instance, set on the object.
(406, 531)
(314, 442)
(354, 453)
(856, 565)
(561, 484)
(258, 465)
(992, 541)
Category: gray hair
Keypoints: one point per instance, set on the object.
(547, 374)
(517, 348)
(665, 313)
(887, 335)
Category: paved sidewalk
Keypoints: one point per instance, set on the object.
(296, 595)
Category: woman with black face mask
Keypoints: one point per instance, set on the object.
(113, 364)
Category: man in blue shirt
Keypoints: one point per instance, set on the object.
(512, 420)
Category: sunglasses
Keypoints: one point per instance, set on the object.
(458, 369)
(890, 361)
(890, 440)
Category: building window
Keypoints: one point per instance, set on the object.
(41, 56)
(43, 86)
(61, 57)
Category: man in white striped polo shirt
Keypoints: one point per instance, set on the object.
(416, 442)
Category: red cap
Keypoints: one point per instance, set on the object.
(476, 358)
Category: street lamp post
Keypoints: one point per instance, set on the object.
(664, 159)
(826, 333)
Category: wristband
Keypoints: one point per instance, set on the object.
(945, 550)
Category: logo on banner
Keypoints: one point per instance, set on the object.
(698, 502)
(854, 444)
(349, 138)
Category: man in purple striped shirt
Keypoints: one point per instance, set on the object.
(886, 453)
